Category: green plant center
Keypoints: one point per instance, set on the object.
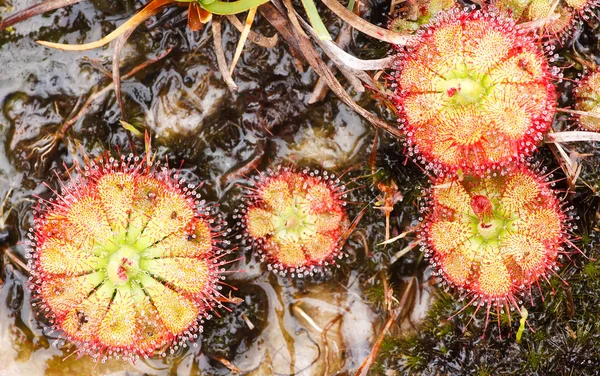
(123, 265)
(490, 228)
(463, 88)
(294, 223)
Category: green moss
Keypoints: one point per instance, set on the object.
(375, 295)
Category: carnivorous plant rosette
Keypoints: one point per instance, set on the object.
(296, 220)
(473, 92)
(125, 259)
(495, 237)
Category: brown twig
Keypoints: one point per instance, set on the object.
(570, 166)
(368, 362)
(572, 136)
(260, 40)
(343, 39)
(301, 43)
(4, 214)
(148, 11)
(16, 261)
(116, 71)
(221, 61)
(248, 166)
(98, 65)
(242, 40)
(35, 10)
(366, 27)
(595, 115)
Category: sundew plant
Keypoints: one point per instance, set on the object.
(269, 187)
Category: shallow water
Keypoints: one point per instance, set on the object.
(281, 326)
(194, 118)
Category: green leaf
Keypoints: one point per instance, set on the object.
(234, 7)
(315, 20)
(132, 129)
(524, 314)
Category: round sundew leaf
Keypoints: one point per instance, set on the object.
(499, 148)
(201, 236)
(588, 100)
(508, 115)
(457, 268)
(176, 245)
(462, 125)
(116, 191)
(326, 222)
(320, 198)
(447, 236)
(528, 253)
(288, 253)
(448, 42)
(539, 9)
(176, 311)
(276, 194)
(472, 249)
(591, 123)
(259, 222)
(561, 23)
(523, 68)
(118, 327)
(434, 146)
(87, 216)
(494, 279)
(436, 63)
(544, 224)
(319, 247)
(519, 191)
(62, 294)
(418, 78)
(486, 47)
(298, 183)
(453, 196)
(147, 190)
(514, 7)
(589, 89)
(173, 213)
(186, 274)
(531, 98)
(56, 225)
(151, 333)
(84, 319)
(422, 108)
(59, 257)
(489, 187)
(436, 6)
